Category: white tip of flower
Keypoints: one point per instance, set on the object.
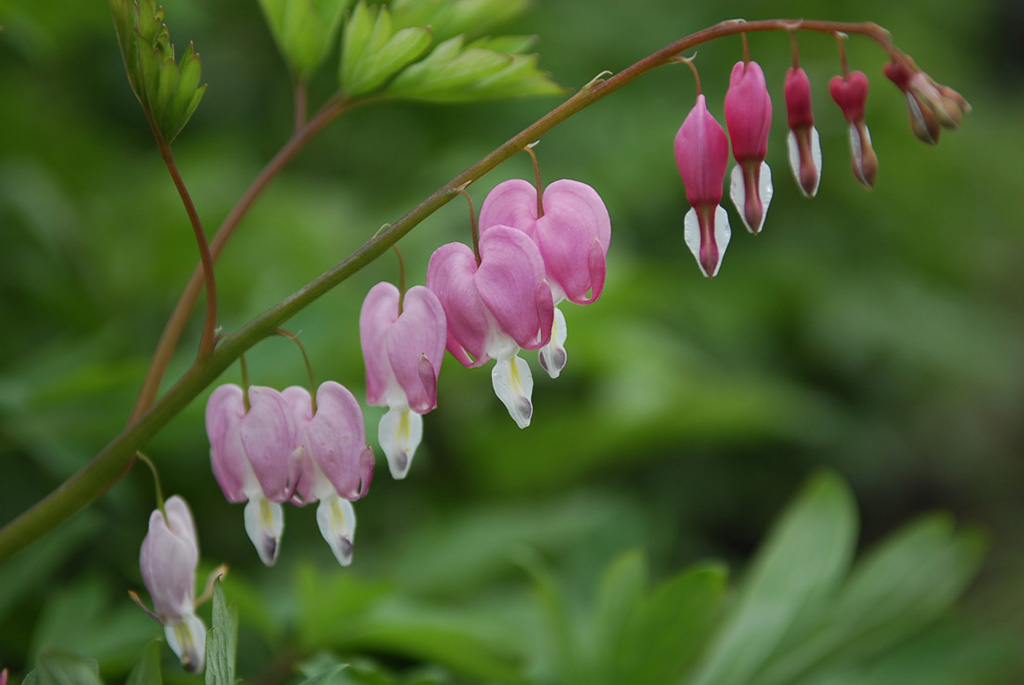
(806, 171)
(552, 356)
(187, 639)
(713, 253)
(513, 384)
(337, 521)
(264, 522)
(739, 195)
(400, 432)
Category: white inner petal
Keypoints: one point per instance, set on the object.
(264, 522)
(723, 233)
(513, 384)
(552, 356)
(399, 433)
(337, 521)
(738, 193)
(187, 639)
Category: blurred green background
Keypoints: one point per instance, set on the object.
(878, 334)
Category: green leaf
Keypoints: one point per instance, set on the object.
(804, 559)
(669, 629)
(221, 640)
(168, 93)
(304, 30)
(449, 18)
(325, 677)
(147, 669)
(371, 58)
(621, 589)
(57, 668)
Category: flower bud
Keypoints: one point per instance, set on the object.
(702, 155)
(851, 94)
(748, 116)
(803, 141)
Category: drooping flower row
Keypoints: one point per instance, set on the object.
(702, 147)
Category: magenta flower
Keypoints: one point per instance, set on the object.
(748, 115)
(702, 154)
(403, 354)
(256, 458)
(803, 140)
(851, 94)
(494, 308)
(167, 561)
(337, 464)
(573, 235)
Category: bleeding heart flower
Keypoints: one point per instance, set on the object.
(167, 561)
(337, 463)
(256, 456)
(403, 353)
(572, 234)
(748, 115)
(494, 308)
(702, 155)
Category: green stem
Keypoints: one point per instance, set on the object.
(108, 466)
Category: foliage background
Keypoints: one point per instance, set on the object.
(877, 334)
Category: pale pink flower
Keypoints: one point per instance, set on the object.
(494, 308)
(403, 354)
(573, 237)
(167, 561)
(337, 463)
(256, 458)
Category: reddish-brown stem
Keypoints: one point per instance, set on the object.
(205, 258)
(536, 180)
(179, 317)
(401, 279)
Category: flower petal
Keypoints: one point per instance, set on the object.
(337, 521)
(187, 639)
(708, 240)
(378, 314)
(575, 219)
(511, 273)
(270, 438)
(224, 413)
(552, 356)
(450, 276)
(336, 439)
(399, 433)
(752, 209)
(805, 158)
(511, 203)
(419, 334)
(264, 522)
(513, 384)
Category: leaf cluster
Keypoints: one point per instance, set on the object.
(168, 90)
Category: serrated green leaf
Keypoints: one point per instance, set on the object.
(510, 45)
(304, 30)
(449, 18)
(147, 669)
(521, 78)
(56, 668)
(221, 640)
(356, 36)
(325, 677)
(383, 55)
(442, 75)
(805, 557)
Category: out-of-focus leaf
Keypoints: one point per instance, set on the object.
(450, 18)
(621, 589)
(221, 640)
(58, 668)
(304, 30)
(333, 607)
(805, 557)
(371, 56)
(147, 669)
(902, 587)
(563, 655)
(670, 628)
